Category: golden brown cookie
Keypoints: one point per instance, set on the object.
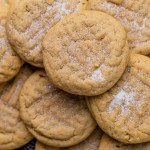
(123, 112)
(10, 62)
(13, 133)
(84, 54)
(91, 143)
(37, 16)
(107, 143)
(134, 15)
(53, 116)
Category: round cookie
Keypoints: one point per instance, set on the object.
(91, 143)
(13, 133)
(10, 62)
(123, 111)
(135, 17)
(53, 116)
(84, 54)
(37, 16)
(107, 143)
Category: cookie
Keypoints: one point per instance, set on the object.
(91, 143)
(37, 16)
(107, 143)
(10, 62)
(53, 116)
(13, 133)
(41, 146)
(135, 17)
(123, 111)
(84, 54)
(4, 5)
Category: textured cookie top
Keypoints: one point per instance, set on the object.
(54, 117)
(91, 143)
(37, 16)
(10, 63)
(124, 111)
(84, 54)
(13, 132)
(107, 143)
(135, 16)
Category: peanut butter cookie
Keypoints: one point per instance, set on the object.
(53, 116)
(107, 143)
(91, 143)
(10, 62)
(13, 133)
(84, 54)
(123, 112)
(37, 16)
(134, 15)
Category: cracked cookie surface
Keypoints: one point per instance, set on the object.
(10, 62)
(91, 143)
(53, 116)
(13, 133)
(107, 143)
(135, 16)
(124, 111)
(84, 54)
(37, 16)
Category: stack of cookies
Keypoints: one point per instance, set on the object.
(75, 74)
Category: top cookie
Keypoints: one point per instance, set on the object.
(123, 112)
(37, 16)
(134, 15)
(10, 62)
(107, 143)
(84, 54)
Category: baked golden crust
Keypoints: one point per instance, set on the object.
(123, 111)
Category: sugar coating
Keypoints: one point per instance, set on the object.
(84, 55)
(27, 34)
(134, 16)
(53, 116)
(123, 112)
(10, 62)
(123, 97)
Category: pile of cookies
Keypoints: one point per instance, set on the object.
(75, 74)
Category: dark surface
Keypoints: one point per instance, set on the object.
(29, 146)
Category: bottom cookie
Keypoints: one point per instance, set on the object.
(107, 143)
(91, 143)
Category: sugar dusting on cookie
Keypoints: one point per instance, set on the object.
(97, 75)
(64, 7)
(122, 97)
